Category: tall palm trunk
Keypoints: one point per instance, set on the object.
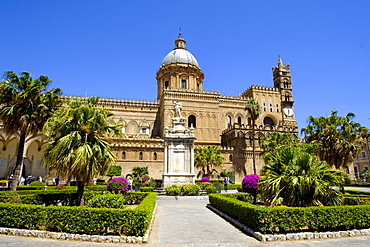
(19, 162)
(253, 148)
(80, 191)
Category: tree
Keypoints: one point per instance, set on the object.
(254, 111)
(339, 138)
(206, 159)
(138, 173)
(114, 170)
(294, 176)
(78, 145)
(275, 140)
(25, 105)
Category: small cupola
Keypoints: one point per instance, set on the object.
(180, 43)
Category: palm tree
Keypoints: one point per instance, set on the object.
(77, 146)
(274, 140)
(340, 139)
(294, 176)
(206, 159)
(253, 109)
(25, 105)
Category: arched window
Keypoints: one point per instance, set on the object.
(229, 119)
(230, 157)
(123, 155)
(249, 141)
(166, 84)
(154, 156)
(249, 121)
(239, 120)
(141, 156)
(123, 125)
(269, 121)
(192, 121)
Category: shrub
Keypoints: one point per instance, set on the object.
(61, 187)
(149, 182)
(144, 179)
(28, 187)
(250, 182)
(227, 174)
(190, 190)
(173, 190)
(107, 200)
(204, 185)
(205, 180)
(114, 170)
(9, 197)
(37, 183)
(211, 189)
(118, 185)
(146, 189)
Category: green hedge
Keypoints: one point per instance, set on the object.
(293, 219)
(356, 192)
(357, 198)
(59, 197)
(40, 197)
(147, 189)
(82, 220)
(183, 190)
(52, 187)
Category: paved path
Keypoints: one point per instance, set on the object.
(367, 189)
(190, 222)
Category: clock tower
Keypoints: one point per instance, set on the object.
(282, 81)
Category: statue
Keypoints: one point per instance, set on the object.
(177, 109)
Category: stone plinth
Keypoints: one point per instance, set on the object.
(178, 154)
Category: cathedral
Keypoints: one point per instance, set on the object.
(215, 119)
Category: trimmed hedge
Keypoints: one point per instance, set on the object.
(40, 197)
(183, 190)
(83, 220)
(274, 220)
(147, 189)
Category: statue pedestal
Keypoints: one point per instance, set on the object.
(178, 154)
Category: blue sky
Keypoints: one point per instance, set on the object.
(113, 48)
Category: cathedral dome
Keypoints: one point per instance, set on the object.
(180, 54)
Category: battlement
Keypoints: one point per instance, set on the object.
(117, 102)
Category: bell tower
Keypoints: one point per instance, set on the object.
(179, 70)
(282, 81)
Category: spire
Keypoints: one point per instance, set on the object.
(180, 43)
(280, 61)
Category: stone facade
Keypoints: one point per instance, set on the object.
(362, 161)
(216, 119)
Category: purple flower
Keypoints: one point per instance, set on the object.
(144, 179)
(118, 185)
(250, 181)
(205, 180)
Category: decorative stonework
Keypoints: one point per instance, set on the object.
(179, 151)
